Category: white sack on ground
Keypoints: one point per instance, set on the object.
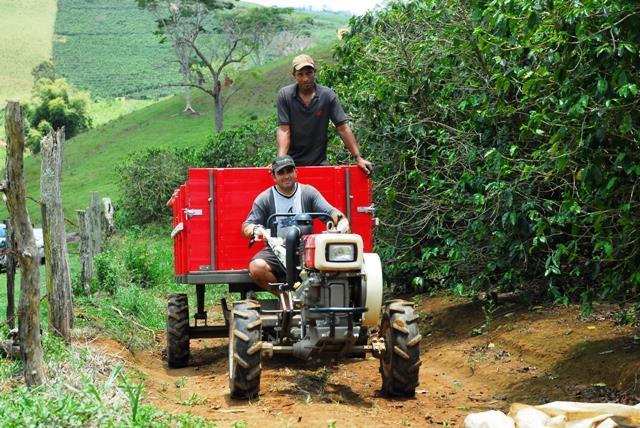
(576, 411)
(559, 414)
(530, 417)
(490, 419)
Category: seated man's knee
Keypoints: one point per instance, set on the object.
(258, 266)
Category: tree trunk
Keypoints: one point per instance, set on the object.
(55, 243)
(186, 78)
(26, 250)
(86, 261)
(10, 267)
(218, 107)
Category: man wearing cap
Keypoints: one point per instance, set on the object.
(286, 196)
(304, 111)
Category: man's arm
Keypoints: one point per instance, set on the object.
(315, 202)
(349, 140)
(257, 216)
(283, 138)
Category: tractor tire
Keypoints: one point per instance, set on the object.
(178, 331)
(245, 350)
(400, 361)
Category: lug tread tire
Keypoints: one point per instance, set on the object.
(245, 343)
(178, 331)
(400, 362)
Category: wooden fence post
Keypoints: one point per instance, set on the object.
(108, 218)
(10, 267)
(86, 258)
(96, 223)
(59, 292)
(26, 250)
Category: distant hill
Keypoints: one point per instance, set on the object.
(108, 47)
(26, 31)
(91, 158)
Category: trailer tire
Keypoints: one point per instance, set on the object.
(400, 361)
(245, 350)
(178, 331)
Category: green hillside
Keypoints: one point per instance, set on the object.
(26, 30)
(108, 47)
(91, 158)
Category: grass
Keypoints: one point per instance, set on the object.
(25, 41)
(108, 47)
(85, 388)
(105, 110)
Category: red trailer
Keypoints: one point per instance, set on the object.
(208, 211)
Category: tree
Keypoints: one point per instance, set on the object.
(147, 180)
(272, 22)
(180, 22)
(56, 104)
(236, 35)
(45, 69)
(214, 41)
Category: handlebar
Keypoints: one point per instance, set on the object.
(312, 215)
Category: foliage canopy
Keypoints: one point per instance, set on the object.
(56, 104)
(505, 135)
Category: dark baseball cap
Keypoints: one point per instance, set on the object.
(282, 162)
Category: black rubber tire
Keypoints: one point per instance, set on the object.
(178, 331)
(245, 345)
(400, 362)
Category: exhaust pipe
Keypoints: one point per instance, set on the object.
(291, 245)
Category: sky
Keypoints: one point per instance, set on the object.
(357, 7)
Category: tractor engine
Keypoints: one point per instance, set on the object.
(331, 275)
(331, 295)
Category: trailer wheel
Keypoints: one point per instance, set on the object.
(245, 347)
(178, 331)
(400, 361)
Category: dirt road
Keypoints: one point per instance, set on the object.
(529, 355)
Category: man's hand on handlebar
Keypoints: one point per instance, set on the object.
(258, 232)
(343, 225)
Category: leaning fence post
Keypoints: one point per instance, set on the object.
(96, 223)
(55, 239)
(10, 266)
(86, 258)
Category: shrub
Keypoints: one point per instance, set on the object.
(138, 258)
(147, 180)
(111, 272)
(505, 140)
(252, 144)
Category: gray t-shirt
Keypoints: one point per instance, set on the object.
(306, 199)
(309, 124)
